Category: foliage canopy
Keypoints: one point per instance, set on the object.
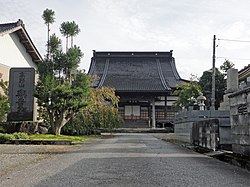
(4, 101)
(187, 92)
(62, 90)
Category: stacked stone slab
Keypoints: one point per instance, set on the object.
(240, 121)
(184, 121)
(232, 86)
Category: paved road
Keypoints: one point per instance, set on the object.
(129, 160)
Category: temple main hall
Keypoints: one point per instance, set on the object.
(144, 81)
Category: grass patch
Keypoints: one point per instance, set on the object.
(60, 137)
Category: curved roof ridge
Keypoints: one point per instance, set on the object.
(163, 81)
(92, 67)
(172, 64)
(105, 71)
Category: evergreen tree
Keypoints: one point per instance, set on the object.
(49, 18)
(226, 66)
(69, 29)
(61, 95)
(187, 93)
(65, 31)
(205, 83)
(74, 30)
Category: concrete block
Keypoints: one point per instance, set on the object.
(233, 111)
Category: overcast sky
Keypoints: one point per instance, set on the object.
(184, 26)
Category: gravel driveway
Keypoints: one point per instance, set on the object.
(18, 157)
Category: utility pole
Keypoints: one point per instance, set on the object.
(213, 77)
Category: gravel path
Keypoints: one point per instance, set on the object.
(119, 160)
(19, 157)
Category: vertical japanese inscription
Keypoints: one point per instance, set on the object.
(21, 87)
(21, 94)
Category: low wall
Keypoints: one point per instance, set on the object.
(206, 134)
(184, 121)
(240, 121)
(29, 127)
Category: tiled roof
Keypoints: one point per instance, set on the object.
(244, 73)
(135, 71)
(19, 29)
(7, 26)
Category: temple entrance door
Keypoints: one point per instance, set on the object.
(132, 112)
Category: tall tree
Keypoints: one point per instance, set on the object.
(61, 95)
(226, 66)
(74, 30)
(205, 83)
(55, 44)
(65, 31)
(187, 93)
(69, 29)
(49, 18)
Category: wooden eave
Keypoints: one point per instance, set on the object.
(244, 73)
(26, 42)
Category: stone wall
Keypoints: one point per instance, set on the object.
(29, 127)
(206, 134)
(184, 121)
(240, 121)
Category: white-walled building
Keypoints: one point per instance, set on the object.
(18, 51)
(16, 48)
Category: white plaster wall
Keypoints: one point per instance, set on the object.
(13, 53)
(4, 72)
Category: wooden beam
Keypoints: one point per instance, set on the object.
(24, 41)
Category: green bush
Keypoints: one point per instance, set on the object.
(6, 137)
(2, 130)
(81, 124)
(21, 135)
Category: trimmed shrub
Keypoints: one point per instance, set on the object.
(21, 135)
(2, 130)
(81, 124)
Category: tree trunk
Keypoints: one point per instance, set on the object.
(48, 43)
(67, 41)
(60, 122)
(71, 41)
(51, 121)
(58, 130)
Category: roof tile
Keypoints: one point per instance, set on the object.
(130, 71)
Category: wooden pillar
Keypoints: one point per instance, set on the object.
(153, 114)
(149, 114)
(165, 108)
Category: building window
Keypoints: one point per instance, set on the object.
(170, 116)
(121, 111)
(132, 112)
(159, 114)
(144, 112)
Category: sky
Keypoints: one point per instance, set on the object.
(184, 26)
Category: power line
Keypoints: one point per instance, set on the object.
(230, 40)
(234, 58)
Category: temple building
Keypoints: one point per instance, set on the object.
(16, 48)
(144, 81)
(18, 54)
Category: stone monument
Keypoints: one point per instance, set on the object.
(21, 89)
(232, 86)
